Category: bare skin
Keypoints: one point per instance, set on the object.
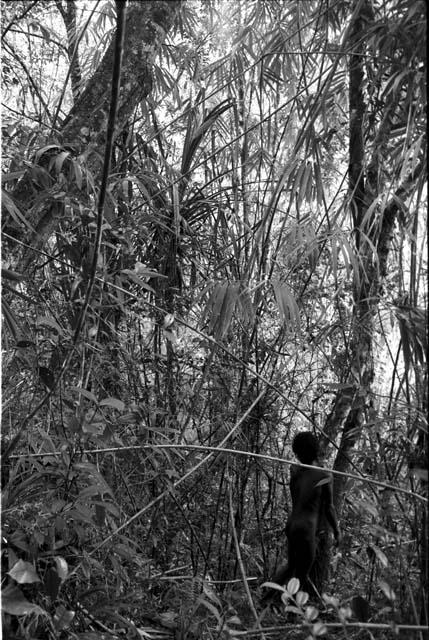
(311, 491)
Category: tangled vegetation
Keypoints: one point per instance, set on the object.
(213, 236)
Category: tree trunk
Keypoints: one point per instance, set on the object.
(68, 13)
(351, 403)
(349, 406)
(84, 127)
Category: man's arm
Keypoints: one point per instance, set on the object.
(331, 516)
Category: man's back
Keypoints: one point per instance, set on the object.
(308, 489)
(309, 493)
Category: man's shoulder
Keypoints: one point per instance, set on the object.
(295, 468)
(322, 474)
(318, 475)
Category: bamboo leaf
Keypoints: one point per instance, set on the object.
(370, 218)
(176, 210)
(350, 258)
(85, 393)
(387, 590)
(13, 175)
(48, 147)
(246, 306)
(222, 305)
(215, 303)
(297, 184)
(14, 212)
(49, 322)
(131, 275)
(311, 246)
(195, 132)
(319, 184)
(305, 183)
(77, 174)
(228, 308)
(115, 403)
(58, 161)
(10, 320)
(286, 303)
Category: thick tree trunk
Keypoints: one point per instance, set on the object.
(348, 415)
(85, 126)
(349, 407)
(83, 131)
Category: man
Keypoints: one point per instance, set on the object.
(311, 491)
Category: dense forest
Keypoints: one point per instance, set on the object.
(213, 238)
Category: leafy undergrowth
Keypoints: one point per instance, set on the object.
(53, 587)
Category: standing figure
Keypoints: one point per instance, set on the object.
(311, 491)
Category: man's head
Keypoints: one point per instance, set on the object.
(305, 447)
